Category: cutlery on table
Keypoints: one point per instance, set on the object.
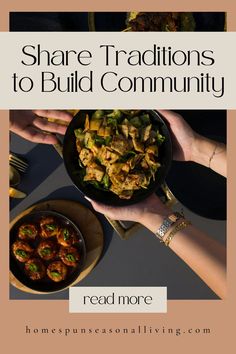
(15, 193)
(18, 163)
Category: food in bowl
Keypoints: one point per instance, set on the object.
(57, 271)
(66, 237)
(69, 255)
(47, 250)
(22, 251)
(35, 269)
(118, 150)
(161, 21)
(27, 232)
(48, 227)
(46, 258)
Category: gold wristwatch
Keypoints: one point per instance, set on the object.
(167, 223)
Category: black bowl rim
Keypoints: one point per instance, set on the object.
(76, 228)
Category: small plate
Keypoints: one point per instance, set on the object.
(45, 285)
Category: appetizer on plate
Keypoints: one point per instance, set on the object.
(66, 237)
(51, 252)
(35, 269)
(70, 256)
(57, 271)
(22, 251)
(49, 227)
(47, 250)
(27, 232)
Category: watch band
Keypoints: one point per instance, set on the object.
(167, 223)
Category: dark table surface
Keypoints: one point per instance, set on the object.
(140, 261)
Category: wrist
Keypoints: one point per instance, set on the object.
(200, 150)
(153, 220)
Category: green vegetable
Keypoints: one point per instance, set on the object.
(89, 140)
(136, 122)
(127, 156)
(46, 251)
(114, 117)
(70, 258)
(130, 113)
(21, 253)
(145, 119)
(108, 139)
(98, 114)
(66, 235)
(33, 267)
(79, 134)
(160, 138)
(55, 274)
(106, 181)
(51, 227)
(27, 231)
(112, 121)
(80, 163)
(116, 114)
(99, 140)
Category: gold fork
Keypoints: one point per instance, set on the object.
(18, 163)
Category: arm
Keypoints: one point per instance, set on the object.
(210, 154)
(190, 146)
(204, 255)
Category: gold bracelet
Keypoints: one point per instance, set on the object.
(177, 228)
(215, 153)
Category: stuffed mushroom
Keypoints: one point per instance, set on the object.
(66, 237)
(22, 251)
(49, 227)
(27, 232)
(47, 250)
(57, 271)
(70, 256)
(35, 269)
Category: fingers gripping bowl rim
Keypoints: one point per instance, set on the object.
(70, 156)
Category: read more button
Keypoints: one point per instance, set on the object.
(118, 299)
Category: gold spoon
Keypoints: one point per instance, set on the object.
(15, 193)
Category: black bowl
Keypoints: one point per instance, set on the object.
(70, 156)
(45, 285)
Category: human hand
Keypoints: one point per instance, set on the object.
(183, 136)
(149, 212)
(33, 126)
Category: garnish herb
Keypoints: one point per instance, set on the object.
(55, 274)
(21, 253)
(33, 267)
(66, 235)
(27, 231)
(51, 227)
(46, 251)
(70, 258)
